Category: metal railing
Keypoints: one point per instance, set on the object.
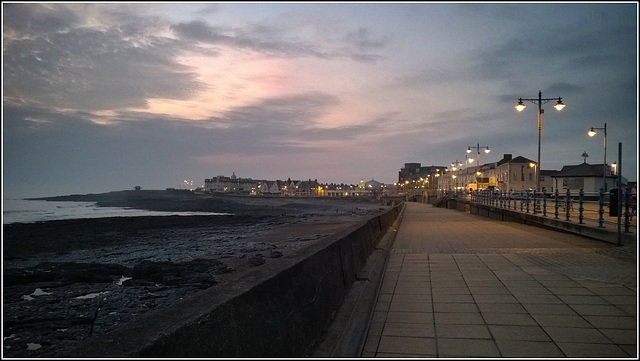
(591, 208)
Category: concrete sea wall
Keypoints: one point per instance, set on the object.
(280, 309)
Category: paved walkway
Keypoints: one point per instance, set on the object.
(459, 285)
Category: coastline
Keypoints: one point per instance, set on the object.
(66, 281)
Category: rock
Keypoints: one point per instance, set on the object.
(275, 254)
(256, 260)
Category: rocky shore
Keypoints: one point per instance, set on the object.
(67, 281)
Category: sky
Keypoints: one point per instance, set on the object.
(99, 97)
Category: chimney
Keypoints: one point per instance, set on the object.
(508, 157)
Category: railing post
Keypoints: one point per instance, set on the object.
(527, 193)
(581, 208)
(627, 222)
(520, 199)
(544, 203)
(556, 199)
(568, 204)
(601, 208)
(535, 201)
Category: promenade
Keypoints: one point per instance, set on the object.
(460, 285)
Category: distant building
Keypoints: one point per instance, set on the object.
(415, 171)
(268, 188)
(370, 188)
(588, 177)
(417, 180)
(509, 173)
(233, 184)
(516, 174)
(344, 190)
(297, 188)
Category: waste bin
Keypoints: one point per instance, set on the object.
(613, 202)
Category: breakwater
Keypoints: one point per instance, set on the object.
(279, 310)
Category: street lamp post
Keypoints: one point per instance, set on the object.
(454, 167)
(539, 101)
(477, 147)
(591, 133)
(467, 160)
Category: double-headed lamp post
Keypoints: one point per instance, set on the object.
(477, 148)
(454, 167)
(539, 101)
(591, 133)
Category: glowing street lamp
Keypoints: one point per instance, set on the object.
(477, 148)
(539, 101)
(468, 159)
(592, 133)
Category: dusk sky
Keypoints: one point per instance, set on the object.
(100, 97)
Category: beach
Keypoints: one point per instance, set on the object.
(69, 280)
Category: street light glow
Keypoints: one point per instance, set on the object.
(591, 133)
(487, 150)
(539, 101)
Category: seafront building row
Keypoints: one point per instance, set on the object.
(293, 188)
(508, 174)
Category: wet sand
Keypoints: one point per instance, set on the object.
(67, 281)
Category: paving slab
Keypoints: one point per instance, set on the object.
(465, 286)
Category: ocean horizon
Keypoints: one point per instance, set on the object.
(19, 210)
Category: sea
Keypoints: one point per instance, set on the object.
(31, 211)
